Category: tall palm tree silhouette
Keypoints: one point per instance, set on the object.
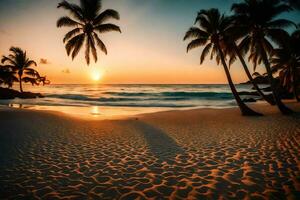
(20, 64)
(87, 22)
(287, 60)
(234, 34)
(258, 18)
(210, 34)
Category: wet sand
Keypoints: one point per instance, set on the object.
(197, 154)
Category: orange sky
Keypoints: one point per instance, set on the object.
(149, 50)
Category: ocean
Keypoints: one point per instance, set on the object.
(96, 99)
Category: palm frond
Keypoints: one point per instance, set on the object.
(244, 46)
(31, 80)
(78, 45)
(67, 22)
(75, 10)
(16, 50)
(196, 43)
(106, 15)
(87, 51)
(30, 63)
(195, 32)
(8, 60)
(205, 52)
(267, 47)
(103, 28)
(281, 23)
(72, 43)
(100, 44)
(281, 8)
(31, 72)
(93, 48)
(232, 59)
(203, 22)
(71, 34)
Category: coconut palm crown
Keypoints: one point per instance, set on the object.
(261, 26)
(87, 22)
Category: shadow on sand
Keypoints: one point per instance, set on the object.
(160, 144)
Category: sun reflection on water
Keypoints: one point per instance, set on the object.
(95, 111)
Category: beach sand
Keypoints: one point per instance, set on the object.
(195, 154)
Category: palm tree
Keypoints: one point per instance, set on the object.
(233, 51)
(257, 17)
(20, 64)
(287, 60)
(86, 21)
(210, 34)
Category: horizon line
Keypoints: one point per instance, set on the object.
(144, 84)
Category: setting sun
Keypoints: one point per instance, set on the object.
(96, 75)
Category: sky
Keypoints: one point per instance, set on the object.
(150, 49)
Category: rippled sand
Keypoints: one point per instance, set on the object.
(199, 154)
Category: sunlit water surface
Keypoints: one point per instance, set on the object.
(98, 101)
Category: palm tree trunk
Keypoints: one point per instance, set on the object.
(283, 109)
(267, 99)
(20, 80)
(245, 110)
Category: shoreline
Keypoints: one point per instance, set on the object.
(114, 112)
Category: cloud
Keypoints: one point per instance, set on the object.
(44, 61)
(66, 71)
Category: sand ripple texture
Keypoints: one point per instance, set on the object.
(172, 155)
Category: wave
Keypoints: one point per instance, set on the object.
(222, 95)
(111, 99)
(163, 96)
(175, 94)
(129, 93)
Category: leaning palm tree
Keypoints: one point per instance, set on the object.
(20, 64)
(87, 22)
(234, 34)
(210, 34)
(287, 60)
(234, 53)
(258, 18)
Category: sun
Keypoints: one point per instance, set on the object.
(96, 75)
